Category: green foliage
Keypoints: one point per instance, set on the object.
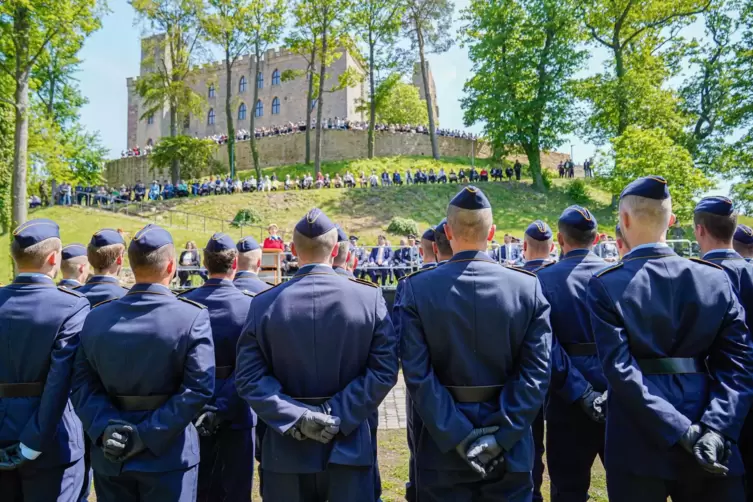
(547, 178)
(577, 190)
(6, 159)
(742, 193)
(398, 102)
(246, 217)
(402, 226)
(195, 156)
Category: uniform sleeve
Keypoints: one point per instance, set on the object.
(169, 420)
(643, 400)
(362, 396)
(43, 424)
(258, 387)
(447, 425)
(524, 393)
(730, 364)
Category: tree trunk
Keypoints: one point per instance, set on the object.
(229, 112)
(427, 93)
(372, 104)
(21, 133)
(254, 150)
(533, 152)
(622, 105)
(174, 165)
(310, 101)
(320, 106)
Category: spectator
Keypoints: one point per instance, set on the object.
(379, 258)
(473, 175)
(517, 169)
(350, 182)
(189, 258)
(396, 178)
(34, 201)
(139, 191)
(373, 180)
(274, 241)
(385, 178)
(289, 260)
(441, 177)
(508, 172)
(408, 177)
(453, 176)
(484, 174)
(561, 169)
(497, 174)
(461, 175)
(432, 176)
(43, 194)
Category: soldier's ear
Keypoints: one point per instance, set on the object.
(672, 219)
(492, 230)
(292, 250)
(234, 266)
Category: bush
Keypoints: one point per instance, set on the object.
(402, 226)
(546, 178)
(246, 217)
(577, 190)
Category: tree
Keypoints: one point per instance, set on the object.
(524, 54)
(377, 24)
(171, 52)
(397, 102)
(645, 152)
(27, 29)
(196, 157)
(428, 25)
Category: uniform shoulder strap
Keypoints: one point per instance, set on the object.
(103, 302)
(70, 291)
(365, 283)
(609, 269)
(271, 284)
(699, 260)
(521, 270)
(248, 293)
(267, 290)
(195, 304)
(544, 265)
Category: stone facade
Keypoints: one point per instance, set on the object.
(418, 81)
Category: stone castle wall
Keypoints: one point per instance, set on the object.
(336, 145)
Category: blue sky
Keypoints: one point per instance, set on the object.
(112, 54)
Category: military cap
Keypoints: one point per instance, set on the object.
(73, 251)
(720, 206)
(471, 198)
(539, 230)
(578, 217)
(411, 236)
(150, 238)
(353, 238)
(247, 244)
(439, 229)
(341, 235)
(219, 242)
(106, 237)
(35, 231)
(651, 187)
(744, 234)
(428, 235)
(314, 224)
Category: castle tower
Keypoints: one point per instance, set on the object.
(418, 81)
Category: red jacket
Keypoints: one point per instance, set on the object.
(273, 243)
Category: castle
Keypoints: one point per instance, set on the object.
(279, 103)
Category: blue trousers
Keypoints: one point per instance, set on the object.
(694, 487)
(171, 486)
(413, 423)
(52, 484)
(339, 483)
(467, 486)
(88, 473)
(572, 441)
(538, 456)
(226, 471)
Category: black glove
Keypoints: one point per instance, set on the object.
(690, 438)
(133, 444)
(12, 458)
(114, 442)
(462, 448)
(712, 451)
(208, 421)
(592, 405)
(486, 451)
(6, 464)
(318, 426)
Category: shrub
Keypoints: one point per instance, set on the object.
(246, 217)
(546, 178)
(402, 226)
(578, 191)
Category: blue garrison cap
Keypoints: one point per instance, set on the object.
(720, 206)
(220, 242)
(428, 235)
(341, 235)
(150, 238)
(539, 231)
(247, 244)
(35, 231)
(578, 217)
(439, 229)
(744, 234)
(314, 224)
(73, 251)
(471, 198)
(106, 237)
(651, 187)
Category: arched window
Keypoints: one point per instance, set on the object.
(276, 106)
(149, 142)
(260, 80)
(242, 112)
(259, 109)
(150, 119)
(211, 90)
(242, 85)
(276, 77)
(210, 117)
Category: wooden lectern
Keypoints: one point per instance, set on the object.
(271, 266)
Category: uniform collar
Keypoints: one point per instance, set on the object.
(218, 282)
(69, 282)
(428, 265)
(103, 279)
(471, 255)
(29, 278)
(243, 274)
(576, 253)
(535, 263)
(315, 268)
(721, 253)
(154, 289)
(658, 249)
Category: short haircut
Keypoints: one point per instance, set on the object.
(342, 254)
(219, 262)
(317, 249)
(443, 244)
(470, 225)
(70, 266)
(104, 257)
(249, 260)
(648, 212)
(538, 247)
(744, 250)
(428, 250)
(576, 237)
(35, 255)
(721, 228)
(152, 261)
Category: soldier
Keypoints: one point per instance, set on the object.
(316, 358)
(343, 254)
(360, 255)
(74, 267)
(144, 371)
(537, 248)
(677, 355)
(441, 245)
(427, 249)
(105, 254)
(40, 436)
(226, 424)
(743, 241)
(477, 384)
(575, 413)
(249, 263)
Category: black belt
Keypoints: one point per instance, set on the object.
(671, 366)
(33, 389)
(223, 372)
(140, 403)
(478, 394)
(313, 401)
(580, 349)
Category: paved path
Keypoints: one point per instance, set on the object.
(392, 410)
